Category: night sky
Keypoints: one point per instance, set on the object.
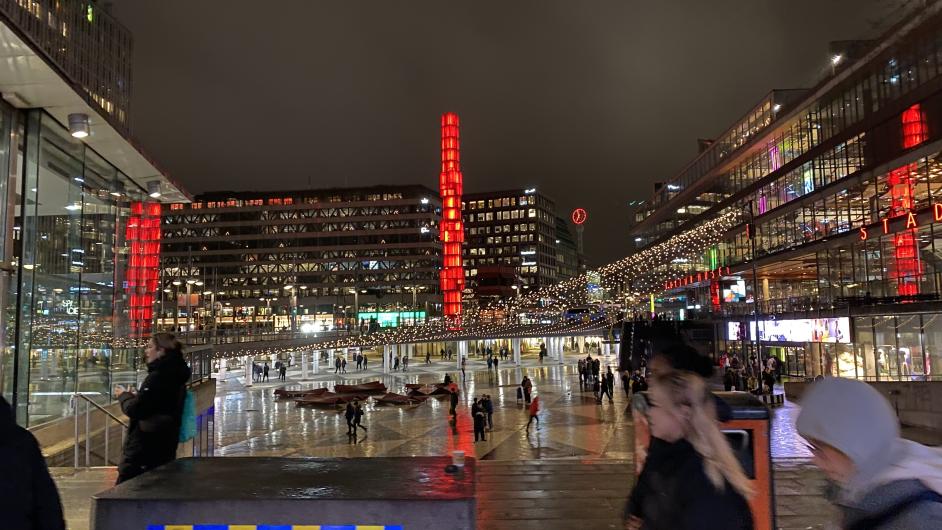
(589, 101)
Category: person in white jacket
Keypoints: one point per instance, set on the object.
(883, 481)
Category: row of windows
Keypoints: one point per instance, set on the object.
(497, 229)
(502, 202)
(286, 201)
(502, 215)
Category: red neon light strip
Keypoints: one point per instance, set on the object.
(908, 268)
(142, 238)
(451, 230)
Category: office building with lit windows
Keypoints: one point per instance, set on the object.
(79, 219)
(305, 260)
(838, 191)
(516, 228)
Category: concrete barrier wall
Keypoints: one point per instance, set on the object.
(918, 404)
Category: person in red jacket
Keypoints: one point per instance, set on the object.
(534, 411)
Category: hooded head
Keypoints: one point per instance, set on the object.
(852, 417)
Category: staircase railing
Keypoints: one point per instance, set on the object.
(82, 401)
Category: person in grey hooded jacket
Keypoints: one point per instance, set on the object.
(884, 482)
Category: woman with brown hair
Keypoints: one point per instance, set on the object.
(694, 479)
(156, 410)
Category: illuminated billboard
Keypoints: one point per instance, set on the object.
(799, 330)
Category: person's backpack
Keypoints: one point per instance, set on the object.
(188, 419)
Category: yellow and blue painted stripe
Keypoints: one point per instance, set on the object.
(271, 527)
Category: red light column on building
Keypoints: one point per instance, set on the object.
(142, 237)
(451, 230)
(908, 268)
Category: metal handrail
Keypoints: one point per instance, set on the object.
(88, 429)
(103, 409)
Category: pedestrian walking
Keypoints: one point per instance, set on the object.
(441, 354)
(489, 410)
(337, 365)
(527, 386)
(428, 357)
(693, 480)
(359, 359)
(534, 411)
(453, 410)
(358, 417)
(478, 414)
(464, 361)
(30, 500)
(283, 372)
(625, 382)
(365, 361)
(396, 363)
(405, 363)
(542, 351)
(883, 481)
(348, 414)
(490, 362)
(451, 354)
(610, 385)
(156, 410)
(495, 363)
(343, 365)
(265, 372)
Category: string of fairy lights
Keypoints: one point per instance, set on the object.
(636, 275)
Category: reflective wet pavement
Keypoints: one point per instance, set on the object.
(250, 421)
(576, 469)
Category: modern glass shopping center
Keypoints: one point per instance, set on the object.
(78, 239)
(836, 254)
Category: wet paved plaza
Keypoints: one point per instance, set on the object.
(575, 470)
(250, 421)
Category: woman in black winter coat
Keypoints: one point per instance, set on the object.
(693, 480)
(28, 496)
(156, 410)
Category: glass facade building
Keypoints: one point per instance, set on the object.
(840, 193)
(66, 322)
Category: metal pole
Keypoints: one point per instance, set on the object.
(755, 283)
(107, 430)
(88, 435)
(75, 411)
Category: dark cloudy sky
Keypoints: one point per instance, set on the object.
(589, 100)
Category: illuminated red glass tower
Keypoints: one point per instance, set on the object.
(142, 236)
(451, 229)
(908, 269)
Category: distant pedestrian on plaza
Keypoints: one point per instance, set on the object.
(453, 410)
(490, 362)
(337, 365)
(542, 351)
(396, 363)
(527, 386)
(451, 354)
(156, 410)
(534, 411)
(610, 385)
(343, 365)
(428, 357)
(265, 372)
(495, 363)
(883, 482)
(350, 412)
(405, 363)
(441, 354)
(365, 362)
(283, 372)
(358, 417)
(581, 368)
(464, 361)
(692, 480)
(625, 382)
(479, 416)
(30, 500)
(359, 362)
(489, 410)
